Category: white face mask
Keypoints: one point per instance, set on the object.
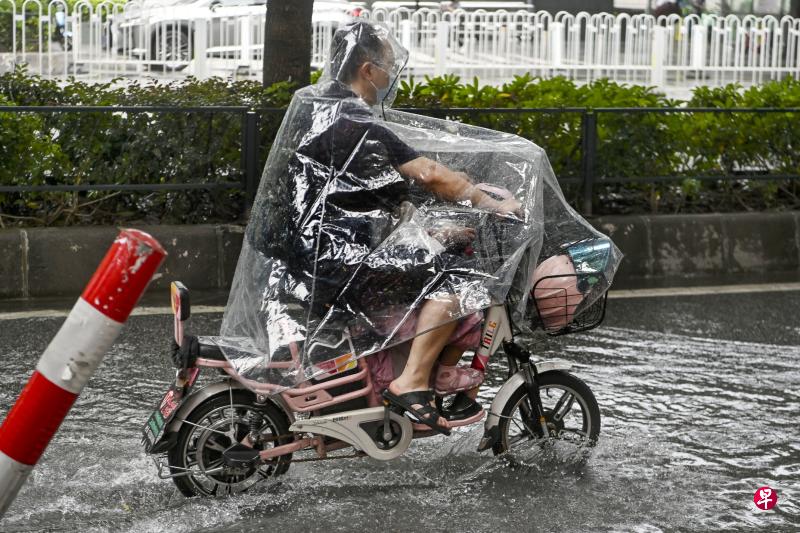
(381, 94)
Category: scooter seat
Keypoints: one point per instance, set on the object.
(210, 351)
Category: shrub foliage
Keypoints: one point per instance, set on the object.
(191, 146)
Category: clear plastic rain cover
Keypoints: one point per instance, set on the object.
(372, 226)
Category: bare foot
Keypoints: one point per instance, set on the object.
(396, 389)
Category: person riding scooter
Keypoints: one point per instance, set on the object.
(361, 237)
(362, 62)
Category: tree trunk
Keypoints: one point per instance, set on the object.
(287, 41)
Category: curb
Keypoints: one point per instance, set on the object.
(38, 262)
(660, 251)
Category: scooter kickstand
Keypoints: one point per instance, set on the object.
(387, 427)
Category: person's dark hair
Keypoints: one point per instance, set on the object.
(353, 45)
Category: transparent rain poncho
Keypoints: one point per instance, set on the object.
(343, 251)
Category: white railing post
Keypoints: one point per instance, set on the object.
(13, 32)
(407, 40)
(244, 36)
(699, 47)
(43, 22)
(19, 17)
(405, 34)
(94, 43)
(557, 44)
(442, 38)
(657, 77)
(200, 46)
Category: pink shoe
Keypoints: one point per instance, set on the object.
(452, 379)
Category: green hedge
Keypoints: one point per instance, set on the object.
(129, 148)
(180, 147)
(648, 144)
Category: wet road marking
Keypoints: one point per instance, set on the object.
(706, 290)
(140, 311)
(621, 294)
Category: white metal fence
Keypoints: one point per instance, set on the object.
(131, 40)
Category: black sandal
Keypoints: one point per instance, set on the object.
(427, 414)
(460, 407)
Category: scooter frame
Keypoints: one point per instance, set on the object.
(306, 397)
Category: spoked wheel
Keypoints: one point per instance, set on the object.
(170, 48)
(213, 427)
(571, 413)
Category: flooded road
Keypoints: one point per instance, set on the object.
(700, 403)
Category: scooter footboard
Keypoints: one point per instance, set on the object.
(359, 427)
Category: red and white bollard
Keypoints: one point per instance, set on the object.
(73, 355)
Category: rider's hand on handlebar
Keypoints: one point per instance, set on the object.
(509, 207)
(505, 205)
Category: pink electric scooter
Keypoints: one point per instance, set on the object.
(226, 435)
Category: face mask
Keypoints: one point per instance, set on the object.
(381, 94)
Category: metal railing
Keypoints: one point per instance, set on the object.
(589, 177)
(134, 40)
(249, 149)
(252, 156)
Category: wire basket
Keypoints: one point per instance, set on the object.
(558, 304)
(564, 310)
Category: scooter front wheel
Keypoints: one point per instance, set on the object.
(571, 414)
(214, 426)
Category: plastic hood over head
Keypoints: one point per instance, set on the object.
(363, 42)
(359, 238)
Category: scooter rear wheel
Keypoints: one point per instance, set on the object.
(571, 413)
(210, 429)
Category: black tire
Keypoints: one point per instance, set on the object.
(172, 37)
(513, 432)
(211, 414)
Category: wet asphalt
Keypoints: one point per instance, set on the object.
(700, 403)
